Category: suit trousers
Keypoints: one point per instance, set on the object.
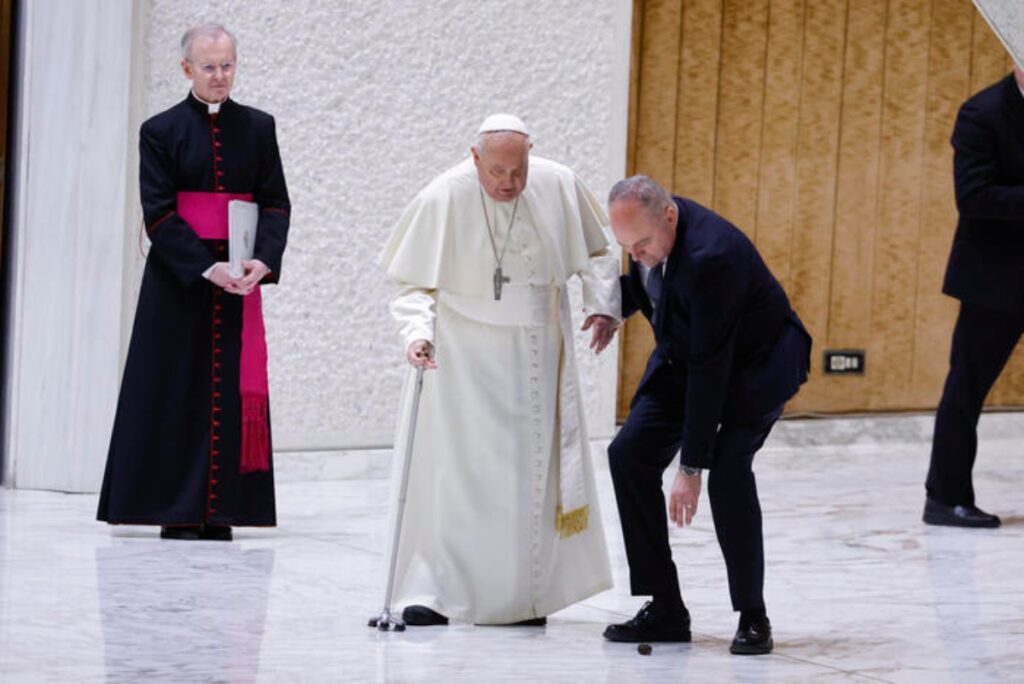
(983, 340)
(639, 455)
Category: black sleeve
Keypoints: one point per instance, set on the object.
(720, 284)
(174, 242)
(629, 304)
(275, 208)
(976, 170)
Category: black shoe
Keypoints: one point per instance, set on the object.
(753, 637)
(652, 624)
(532, 622)
(215, 532)
(186, 532)
(421, 616)
(937, 513)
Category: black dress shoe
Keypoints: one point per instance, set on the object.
(652, 624)
(421, 616)
(531, 622)
(938, 513)
(753, 637)
(186, 532)
(215, 532)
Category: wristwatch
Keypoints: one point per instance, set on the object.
(690, 472)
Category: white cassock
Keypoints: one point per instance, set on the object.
(502, 521)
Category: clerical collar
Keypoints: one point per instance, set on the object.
(211, 107)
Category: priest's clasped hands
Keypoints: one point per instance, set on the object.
(254, 271)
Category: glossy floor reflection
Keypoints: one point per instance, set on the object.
(858, 589)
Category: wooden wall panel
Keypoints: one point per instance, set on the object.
(989, 61)
(740, 105)
(821, 128)
(895, 265)
(659, 79)
(857, 197)
(947, 81)
(695, 128)
(776, 179)
(817, 153)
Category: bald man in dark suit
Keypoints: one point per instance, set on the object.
(730, 353)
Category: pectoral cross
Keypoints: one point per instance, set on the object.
(498, 281)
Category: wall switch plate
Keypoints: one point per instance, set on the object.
(844, 361)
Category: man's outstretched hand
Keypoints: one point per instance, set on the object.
(604, 330)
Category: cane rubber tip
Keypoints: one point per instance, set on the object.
(372, 622)
(399, 628)
(644, 649)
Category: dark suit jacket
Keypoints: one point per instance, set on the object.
(729, 347)
(986, 263)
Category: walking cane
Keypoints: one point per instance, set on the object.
(386, 621)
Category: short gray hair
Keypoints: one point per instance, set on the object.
(642, 190)
(482, 137)
(207, 30)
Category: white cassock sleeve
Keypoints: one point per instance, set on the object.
(415, 310)
(601, 293)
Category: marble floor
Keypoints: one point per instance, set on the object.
(857, 588)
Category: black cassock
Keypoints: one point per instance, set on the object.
(176, 444)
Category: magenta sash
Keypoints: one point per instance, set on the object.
(207, 213)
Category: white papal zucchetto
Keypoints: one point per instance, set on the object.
(503, 122)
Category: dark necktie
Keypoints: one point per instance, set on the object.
(655, 279)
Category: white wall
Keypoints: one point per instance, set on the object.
(68, 227)
(372, 99)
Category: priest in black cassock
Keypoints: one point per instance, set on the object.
(191, 448)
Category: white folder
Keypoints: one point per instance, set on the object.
(242, 219)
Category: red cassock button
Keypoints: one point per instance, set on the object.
(216, 130)
(220, 173)
(216, 143)
(220, 158)
(220, 188)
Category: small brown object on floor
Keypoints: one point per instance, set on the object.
(644, 649)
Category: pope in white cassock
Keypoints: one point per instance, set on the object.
(502, 524)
